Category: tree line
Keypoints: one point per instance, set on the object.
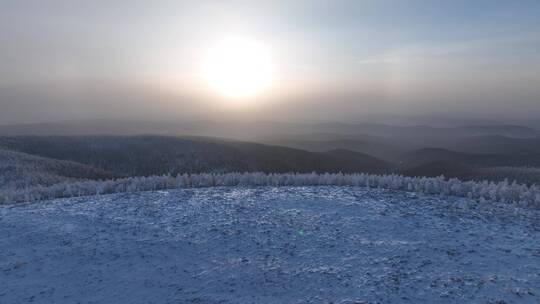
(503, 191)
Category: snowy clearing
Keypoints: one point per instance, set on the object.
(269, 245)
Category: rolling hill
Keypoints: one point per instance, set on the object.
(428, 155)
(150, 155)
(20, 170)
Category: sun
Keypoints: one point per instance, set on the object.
(238, 68)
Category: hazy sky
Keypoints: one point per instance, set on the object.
(332, 60)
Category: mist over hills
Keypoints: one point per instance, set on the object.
(378, 140)
(133, 148)
(254, 130)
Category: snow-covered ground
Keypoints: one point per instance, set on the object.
(269, 245)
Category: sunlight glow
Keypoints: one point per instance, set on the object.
(238, 68)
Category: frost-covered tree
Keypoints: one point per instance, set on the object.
(483, 191)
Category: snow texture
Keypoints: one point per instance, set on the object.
(269, 245)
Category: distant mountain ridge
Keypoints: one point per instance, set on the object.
(250, 130)
(131, 148)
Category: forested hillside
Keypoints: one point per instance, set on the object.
(21, 170)
(147, 155)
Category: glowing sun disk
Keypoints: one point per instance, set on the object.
(238, 68)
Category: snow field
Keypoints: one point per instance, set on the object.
(323, 244)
